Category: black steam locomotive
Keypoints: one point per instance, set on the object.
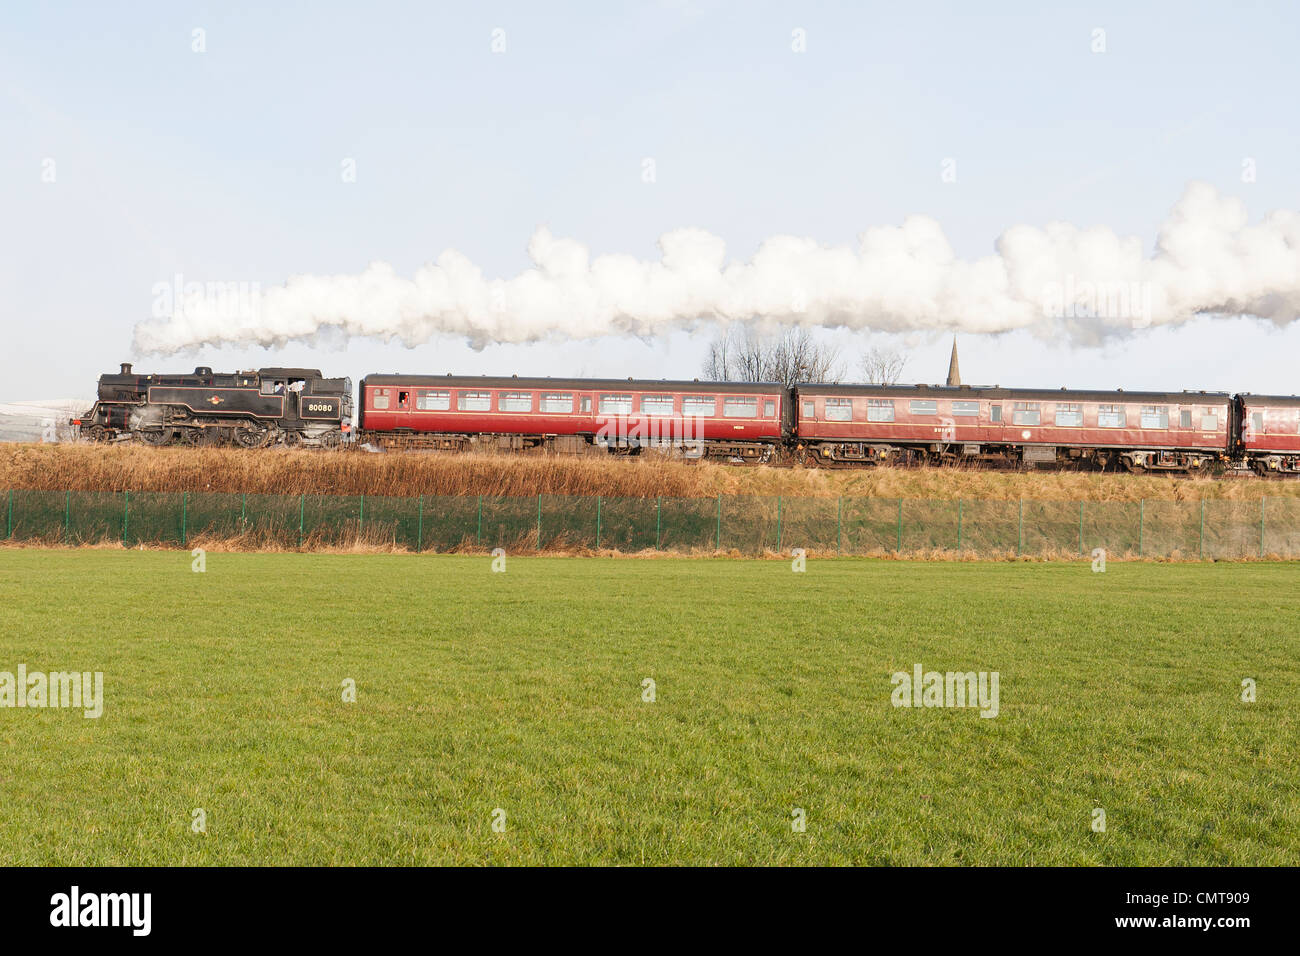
(286, 406)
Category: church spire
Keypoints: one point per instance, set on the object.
(954, 373)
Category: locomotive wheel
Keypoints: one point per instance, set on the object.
(331, 439)
(249, 436)
(96, 433)
(292, 439)
(191, 436)
(154, 437)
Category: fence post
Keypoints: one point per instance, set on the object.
(419, 534)
(539, 522)
(1263, 499)
(1142, 520)
(718, 543)
(959, 510)
(67, 514)
(1081, 527)
(598, 515)
(185, 517)
(1200, 552)
(659, 521)
(479, 537)
(839, 525)
(899, 548)
(778, 524)
(1020, 530)
(302, 508)
(126, 514)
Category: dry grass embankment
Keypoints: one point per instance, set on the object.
(136, 468)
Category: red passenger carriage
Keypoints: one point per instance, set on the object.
(716, 419)
(1269, 432)
(1165, 431)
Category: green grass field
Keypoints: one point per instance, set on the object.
(523, 691)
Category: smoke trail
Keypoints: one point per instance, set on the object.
(1087, 282)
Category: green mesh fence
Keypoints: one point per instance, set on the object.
(747, 525)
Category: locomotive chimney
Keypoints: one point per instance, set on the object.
(126, 368)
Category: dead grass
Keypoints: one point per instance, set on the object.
(254, 544)
(136, 468)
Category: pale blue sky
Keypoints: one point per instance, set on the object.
(225, 165)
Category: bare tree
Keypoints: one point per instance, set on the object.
(740, 354)
(882, 366)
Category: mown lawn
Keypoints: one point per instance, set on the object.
(523, 691)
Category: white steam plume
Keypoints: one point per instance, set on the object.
(1089, 282)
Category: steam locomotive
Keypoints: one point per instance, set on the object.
(254, 409)
(824, 425)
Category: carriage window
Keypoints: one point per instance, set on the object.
(740, 407)
(1155, 416)
(1069, 414)
(839, 409)
(966, 409)
(698, 406)
(1257, 422)
(924, 408)
(474, 401)
(515, 402)
(1185, 418)
(1209, 422)
(995, 413)
(429, 401)
(615, 404)
(1025, 413)
(769, 409)
(656, 404)
(381, 398)
(586, 403)
(1111, 416)
(403, 399)
(561, 402)
(809, 409)
(880, 409)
